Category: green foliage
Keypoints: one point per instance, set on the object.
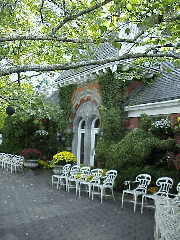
(65, 96)
(112, 115)
(15, 130)
(45, 165)
(103, 151)
(155, 172)
(162, 128)
(145, 122)
(112, 91)
(138, 148)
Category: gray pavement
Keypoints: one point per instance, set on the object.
(30, 208)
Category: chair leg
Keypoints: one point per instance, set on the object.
(77, 186)
(142, 204)
(135, 201)
(79, 190)
(89, 191)
(122, 200)
(58, 183)
(52, 181)
(113, 194)
(101, 194)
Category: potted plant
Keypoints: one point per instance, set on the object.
(62, 158)
(31, 157)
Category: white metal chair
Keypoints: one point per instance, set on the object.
(84, 171)
(165, 183)
(167, 218)
(85, 185)
(108, 183)
(143, 180)
(60, 180)
(96, 175)
(2, 156)
(18, 165)
(7, 160)
(71, 179)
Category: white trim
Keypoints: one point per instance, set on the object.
(87, 75)
(157, 108)
(94, 131)
(80, 131)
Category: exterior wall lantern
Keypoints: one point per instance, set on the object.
(10, 110)
(61, 138)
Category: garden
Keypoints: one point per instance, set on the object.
(150, 149)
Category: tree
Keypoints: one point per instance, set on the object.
(56, 35)
(37, 36)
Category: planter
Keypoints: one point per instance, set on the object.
(58, 169)
(31, 163)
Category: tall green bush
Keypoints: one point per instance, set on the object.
(138, 148)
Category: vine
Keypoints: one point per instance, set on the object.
(66, 106)
(112, 113)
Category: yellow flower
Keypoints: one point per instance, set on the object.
(64, 157)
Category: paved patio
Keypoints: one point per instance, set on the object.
(31, 209)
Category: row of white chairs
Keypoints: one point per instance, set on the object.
(167, 205)
(85, 179)
(11, 162)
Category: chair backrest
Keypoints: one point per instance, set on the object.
(67, 167)
(85, 170)
(165, 183)
(110, 178)
(178, 188)
(143, 180)
(97, 172)
(74, 171)
(66, 170)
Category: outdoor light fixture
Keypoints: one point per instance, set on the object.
(63, 138)
(10, 110)
(58, 136)
(101, 135)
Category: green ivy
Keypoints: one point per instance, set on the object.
(113, 92)
(66, 106)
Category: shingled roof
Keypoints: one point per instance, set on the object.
(164, 87)
(102, 52)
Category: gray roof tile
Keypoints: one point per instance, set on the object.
(164, 87)
(104, 51)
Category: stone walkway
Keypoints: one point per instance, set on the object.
(30, 209)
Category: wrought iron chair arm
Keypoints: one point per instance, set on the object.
(129, 183)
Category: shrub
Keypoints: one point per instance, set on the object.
(145, 122)
(136, 149)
